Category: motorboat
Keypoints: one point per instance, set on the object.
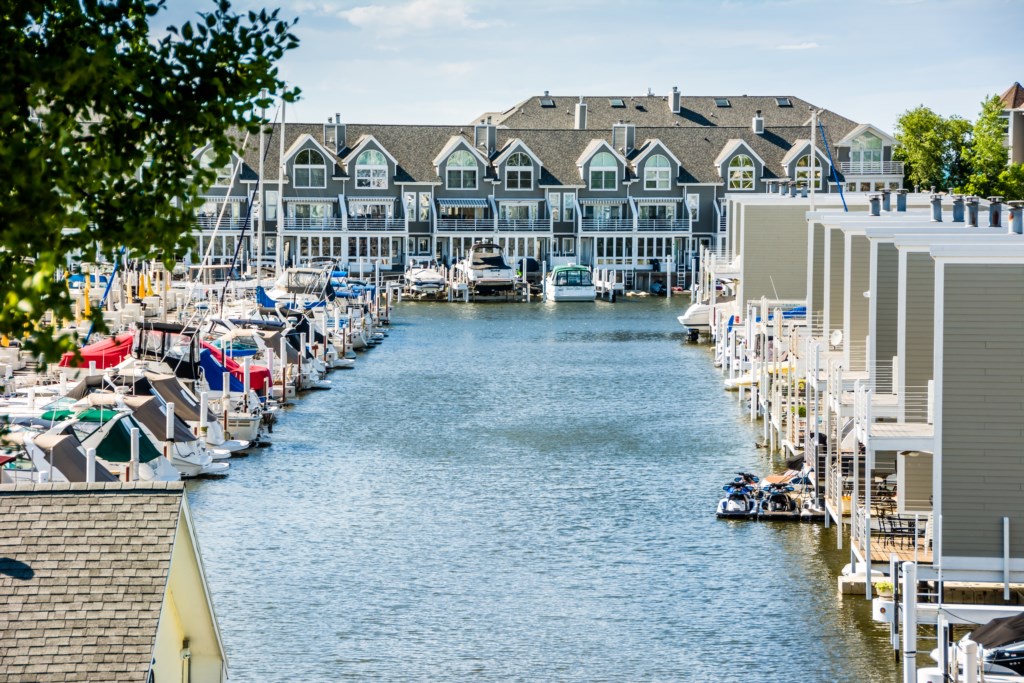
(423, 279)
(740, 499)
(570, 283)
(485, 270)
(697, 318)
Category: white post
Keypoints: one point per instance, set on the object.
(909, 622)
(133, 468)
(31, 398)
(90, 465)
(668, 278)
(203, 411)
(247, 382)
(169, 425)
(63, 383)
(92, 368)
(971, 662)
(225, 399)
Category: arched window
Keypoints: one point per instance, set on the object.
(519, 172)
(741, 173)
(604, 172)
(803, 171)
(461, 171)
(372, 171)
(657, 172)
(309, 169)
(207, 161)
(866, 153)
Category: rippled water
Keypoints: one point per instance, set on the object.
(521, 493)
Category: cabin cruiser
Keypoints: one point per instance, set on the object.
(569, 283)
(697, 318)
(485, 270)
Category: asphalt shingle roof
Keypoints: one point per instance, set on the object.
(83, 570)
(1013, 98)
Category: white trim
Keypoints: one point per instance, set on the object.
(742, 171)
(901, 333)
(649, 146)
(848, 139)
(511, 147)
(365, 140)
(186, 512)
(448, 168)
(450, 146)
(937, 357)
(730, 149)
(299, 142)
(519, 169)
(602, 170)
(310, 168)
(657, 171)
(592, 148)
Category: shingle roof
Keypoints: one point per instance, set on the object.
(654, 112)
(1013, 98)
(83, 570)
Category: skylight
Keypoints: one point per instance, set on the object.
(547, 102)
(617, 103)
(722, 102)
(783, 102)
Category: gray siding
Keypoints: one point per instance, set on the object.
(914, 483)
(919, 341)
(774, 252)
(816, 294)
(885, 298)
(834, 293)
(855, 337)
(982, 409)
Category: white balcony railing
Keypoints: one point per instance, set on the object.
(606, 224)
(225, 223)
(523, 225)
(663, 224)
(465, 225)
(380, 224)
(848, 168)
(293, 223)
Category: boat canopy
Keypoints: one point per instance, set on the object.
(152, 414)
(65, 452)
(172, 391)
(116, 446)
(999, 632)
(106, 353)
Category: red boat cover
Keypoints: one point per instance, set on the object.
(106, 353)
(259, 376)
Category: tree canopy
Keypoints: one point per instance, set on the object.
(100, 117)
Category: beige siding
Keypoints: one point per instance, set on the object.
(982, 409)
(920, 330)
(885, 297)
(774, 252)
(856, 329)
(816, 295)
(836, 264)
(914, 483)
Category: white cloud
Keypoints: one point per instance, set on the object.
(412, 16)
(798, 46)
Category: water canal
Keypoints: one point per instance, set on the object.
(521, 493)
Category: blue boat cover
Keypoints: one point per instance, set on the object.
(263, 299)
(214, 372)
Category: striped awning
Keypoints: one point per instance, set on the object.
(311, 200)
(375, 200)
(655, 200)
(464, 203)
(603, 200)
(222, 198)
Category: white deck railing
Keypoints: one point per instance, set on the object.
(871, 167)
(378, 224)
(465, 225)
(606, 224)
(663, 224)
(331, 223)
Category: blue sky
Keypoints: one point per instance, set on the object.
(446, 61)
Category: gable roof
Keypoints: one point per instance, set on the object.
(857, 131)
(730, 148)
(455, 141)
(800, 148)
(1013, 98)
(592, 149)
(648, 147)
(513, 145)
(301, 140)
(364, 140)
(69, 571)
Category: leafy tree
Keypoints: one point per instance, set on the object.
(987, 154)
(1011, 182)
(932, 148)
(99, 117)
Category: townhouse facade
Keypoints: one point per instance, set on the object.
(631, 183)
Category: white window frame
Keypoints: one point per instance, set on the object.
(604, 170)
(741, 174)
(803, 173)
(568, 207)
(423, 208)
(461, 170)
(555, 206)
(657, 174)
(371, 176)
(409, 202)
(692, 209)
(309, 169)
(519, 170)
(270, 210)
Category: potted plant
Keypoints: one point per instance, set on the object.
(883, 589)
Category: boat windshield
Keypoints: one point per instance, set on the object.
(488, 259)
(573, 278)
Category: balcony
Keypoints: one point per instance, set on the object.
(465, 225)
(855, 168)
(606, 224)
(663, 225)
(378, 224)
(524, 225)
(293, 223)
(225, 223)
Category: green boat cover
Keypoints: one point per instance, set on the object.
(117, 444)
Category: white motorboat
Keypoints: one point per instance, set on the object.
(485, 270)
(424, 279)
(570, 283)
(697, 318)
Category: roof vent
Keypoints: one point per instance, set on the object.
(758, 123)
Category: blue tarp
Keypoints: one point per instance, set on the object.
(214, 373)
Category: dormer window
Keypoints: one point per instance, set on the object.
(741, 173)
(519, 172)
(803, 171)
(461, 171)
(371, 171)
(309, 169)
(604, 172)
(207, 161)
(722, 102)
(657, 172)
(866, 151)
